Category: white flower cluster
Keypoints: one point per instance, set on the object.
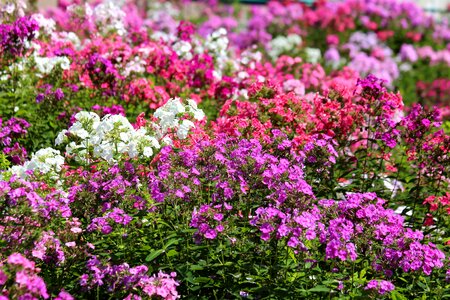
(313, 55)
(164, 14)
(105, 138)
(15, 67)
(217, 43)
(113, 135)
(158, 11)
(47, 25)
(249, 58)
(168, 116)
(109, 16)
(11, 7)
(136, 65)
(45, 161)
(45, 65)
(64, 36)
(183, 49)
(282, 44)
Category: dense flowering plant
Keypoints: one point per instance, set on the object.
(166, 150)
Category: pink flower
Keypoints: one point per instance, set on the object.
(76, 229)
(140, 120)
(210, 234)
(70, 244)
(3, 277)
(18, 259)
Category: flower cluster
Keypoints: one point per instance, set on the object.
(117, 215)
(112, 135)
(208, 221)
(10, 132)
(275, 151)
(118, 277)
(15, 38)
(45, 161)
(22, 274)
(380, 286)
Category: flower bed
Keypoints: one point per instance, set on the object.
(201, 151)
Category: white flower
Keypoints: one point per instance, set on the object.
(78, 130)
(85, 116)
(64, 63)
(18, 171)
(9, 8)
(109, 16)
(147, 151)
(114, 135)
(242, 75)
(400, 210)
(183, 49)
(133, 149)
(65, 37)
(137, 65)
(243, 93)
(61, 137)
(167, 140)
(313, 55)
(45, 65)
(217, 44)
(183, 130)
(44, 161)
(47, 25)
(283, 44)
(392, 185)
(172, 106)
(192, 107)
(167, 114)
(153, 142)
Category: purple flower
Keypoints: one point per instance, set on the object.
(106, 229)
(13, 37)
(381, 286)
(3, 277)
(408, 53)
(293, 242)
(332, 55)
(39, 98)
(243, 294)
(18, 259)
(59, 94)
(210, 234)
(218, 217)
(266, 228)
(63, 295)
(426, 123)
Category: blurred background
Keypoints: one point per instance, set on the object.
(438, 8)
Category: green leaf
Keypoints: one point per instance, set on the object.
(292, 255)
(170, 243)
(202, 279)
(362, 274)
(319, 288)
(196, 267)
(397, 296)
(154, 255)
(172, 253)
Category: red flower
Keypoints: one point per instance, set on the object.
(140, 120)
(428, 220)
